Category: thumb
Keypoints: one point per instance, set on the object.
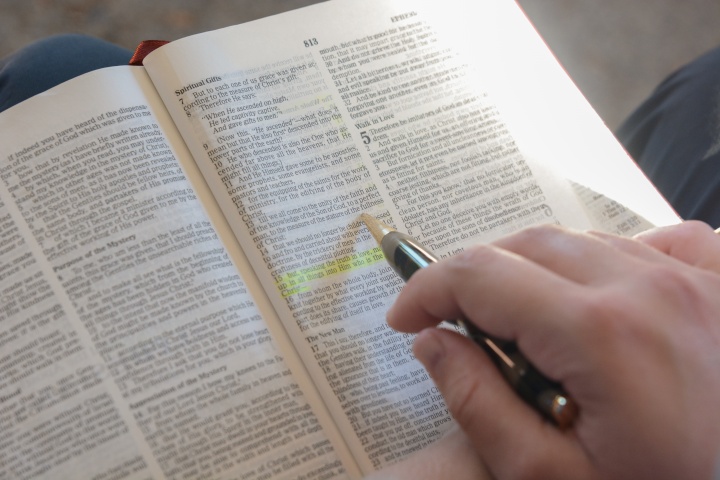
(510, 438)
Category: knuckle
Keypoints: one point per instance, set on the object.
(468, 261)
(688, 236)
(681, 296)
(670, 282)
(536, 234)
(542, 230)
(691, 229)
(609, 313)
(603, 316)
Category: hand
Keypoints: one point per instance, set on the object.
(631, 328)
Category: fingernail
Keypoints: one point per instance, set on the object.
(429, 349)
(390, 315)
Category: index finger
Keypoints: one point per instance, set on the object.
(504, 294)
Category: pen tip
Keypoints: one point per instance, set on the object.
(377, 228)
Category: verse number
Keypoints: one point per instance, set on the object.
(310, 42)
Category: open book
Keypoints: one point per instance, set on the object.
(187, 291)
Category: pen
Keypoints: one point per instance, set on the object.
(406, 255)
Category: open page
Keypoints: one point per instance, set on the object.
(303, 121)
(129, 345)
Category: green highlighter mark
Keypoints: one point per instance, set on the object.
(292, 283)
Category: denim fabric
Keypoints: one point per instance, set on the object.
(51, 61)
(674, 136)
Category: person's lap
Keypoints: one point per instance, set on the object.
(51, 61)
(674, 136)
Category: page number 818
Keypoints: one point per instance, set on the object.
(310, 42)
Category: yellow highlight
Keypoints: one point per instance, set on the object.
(296, 282)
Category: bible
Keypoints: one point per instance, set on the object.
(187, 289)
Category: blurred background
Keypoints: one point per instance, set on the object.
(616, 51)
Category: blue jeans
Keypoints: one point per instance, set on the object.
(674, 136)
(51, 61)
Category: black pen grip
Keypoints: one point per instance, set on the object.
(546, 396)
(406, 255)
